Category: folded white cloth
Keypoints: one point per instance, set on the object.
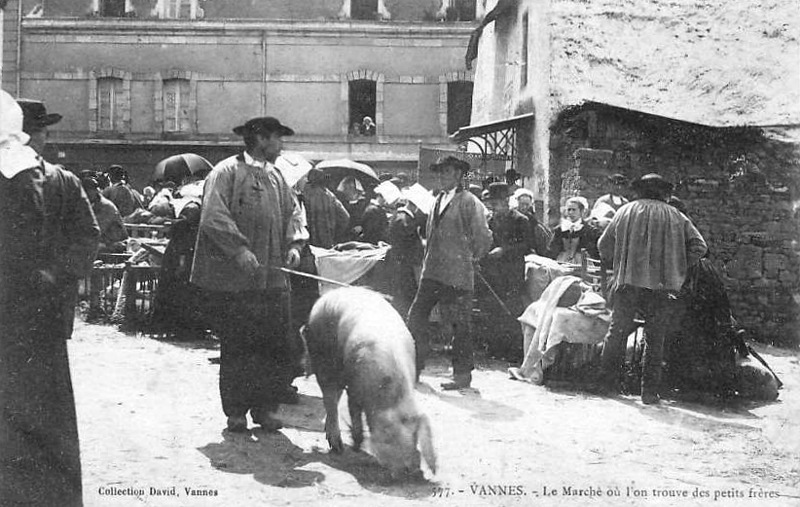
(347, 266)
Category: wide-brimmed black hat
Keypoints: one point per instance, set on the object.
(263, 125)
(498, 190)
(512, 176)
(116, 171)
(316, 176)
(652, 181)
(618, 179)
(451, 161)
(35, 116)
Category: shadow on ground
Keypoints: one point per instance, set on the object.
(274, 460)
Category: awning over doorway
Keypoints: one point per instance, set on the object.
(493, 139)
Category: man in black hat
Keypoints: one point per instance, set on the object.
(457, 237)
(36, 121)
(327, 217)
(650, 245)
(606, 205)
(504, 268)
(112, 229)
(48, 240)
(249, 227)
(125, 198)
(512, 177)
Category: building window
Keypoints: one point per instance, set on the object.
(176, 105)
(364, 9)
(458, 10)
(524, 66)
(179, 9)
(459, 105)
(109, 104)
(112, 8)
(362, 100)
(465, 9)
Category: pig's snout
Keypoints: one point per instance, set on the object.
(397, 442)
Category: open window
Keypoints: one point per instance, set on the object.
(459, 105)
(109, 104)
(362, 102)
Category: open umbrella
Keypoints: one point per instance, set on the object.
(339, 169)
(177, 167)
(293, 167)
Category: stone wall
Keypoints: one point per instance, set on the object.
(739, 186)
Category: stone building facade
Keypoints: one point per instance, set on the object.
(738, 184)
(707, 97)
(139, 80)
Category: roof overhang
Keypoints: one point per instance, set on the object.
(465, 133)
(683, 118)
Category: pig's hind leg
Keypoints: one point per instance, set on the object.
(357, 421)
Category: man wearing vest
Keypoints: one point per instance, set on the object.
(457, 237)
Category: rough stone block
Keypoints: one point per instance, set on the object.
(747, 263)
(773, 263)
(787, 277)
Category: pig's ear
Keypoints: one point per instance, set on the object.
(425, 442)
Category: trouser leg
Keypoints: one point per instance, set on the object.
(621, 326)
(658, 323)
(251, 331)
(461, 311)
(426, 298)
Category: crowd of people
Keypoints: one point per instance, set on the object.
(241, 242)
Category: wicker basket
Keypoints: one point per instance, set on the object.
(147, 231)
(122, 293)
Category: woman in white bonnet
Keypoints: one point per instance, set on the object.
(15, 156)
(574, 234)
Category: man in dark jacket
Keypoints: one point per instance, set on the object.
(327, 217)
(539, 235)
(48, 239)
(504, 267)
(125, 198)
(406, 230)
(112, 229)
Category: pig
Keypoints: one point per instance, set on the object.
(357, 341)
